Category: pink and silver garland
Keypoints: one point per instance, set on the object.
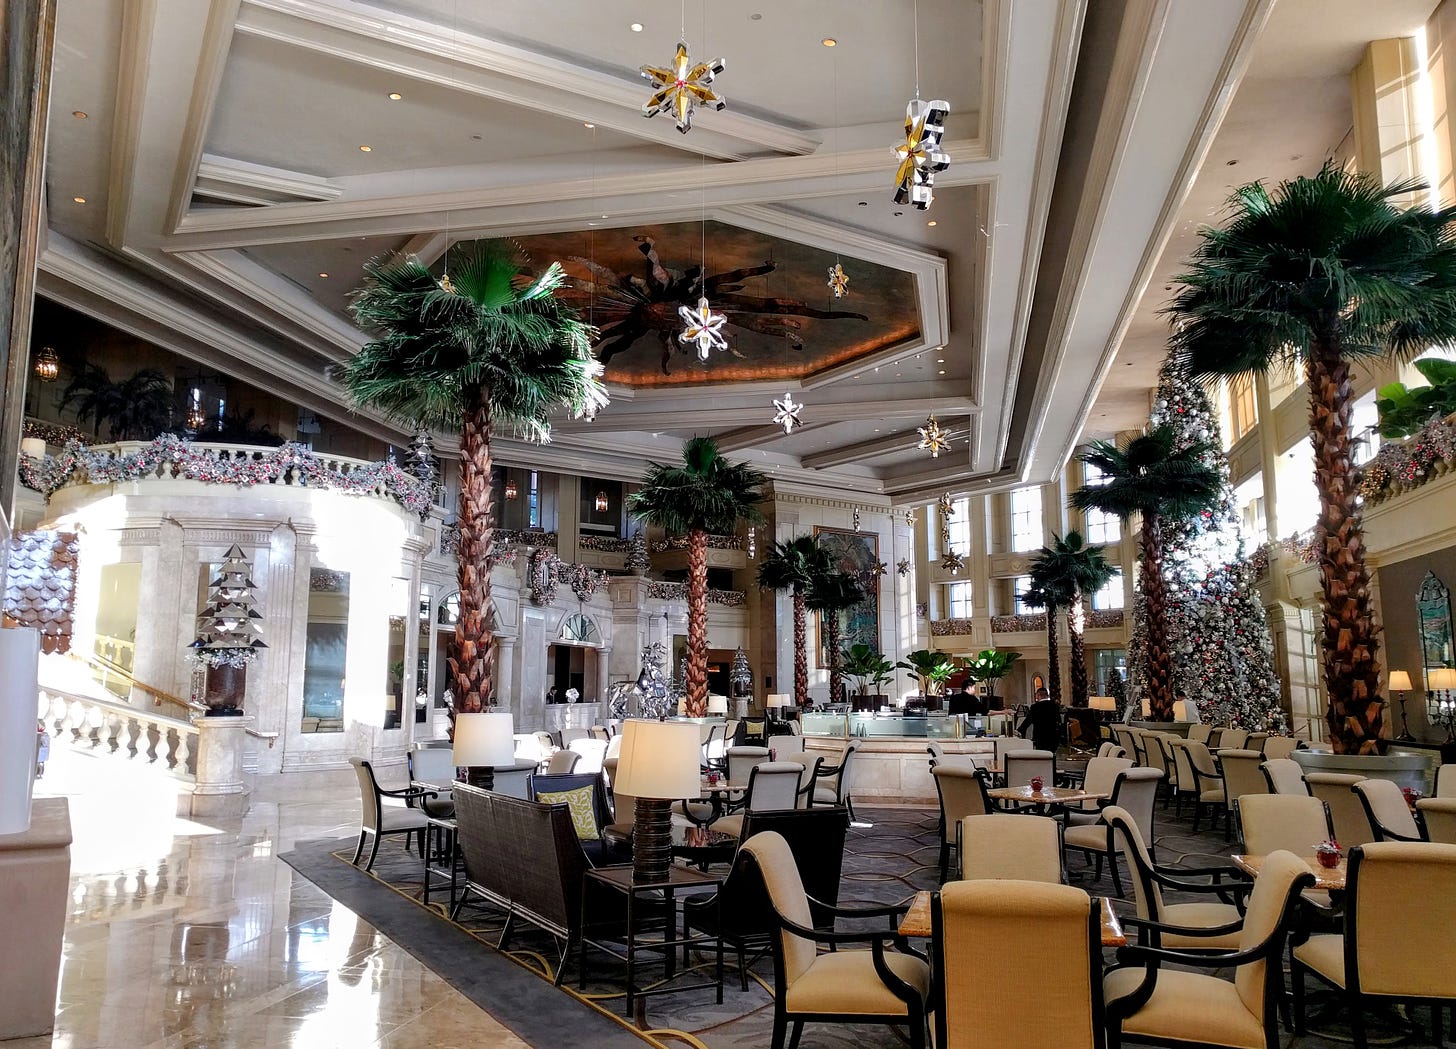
(171, 456)
(546, 571)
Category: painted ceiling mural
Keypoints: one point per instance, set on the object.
(783, 320)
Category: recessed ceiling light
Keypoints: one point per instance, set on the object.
(78, 114)
(323, 274)
(1230, 163)
(755, 18)
(940, 360)
(636, 27)
(366, 149)
(899, 213)
(588, 125)
(932, 222)
(79, 200)
(829, 41)
(395, 96)
(942, 371)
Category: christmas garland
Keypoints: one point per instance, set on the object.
(545, 572)
(1016, 624)
(680, 542)
(1398, 468)
(950, 627)
(606, 544)
(172, 456)
(679, 592)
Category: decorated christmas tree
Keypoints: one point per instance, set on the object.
(1223, 658)
(228, 634)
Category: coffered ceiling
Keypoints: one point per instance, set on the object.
(230, 201)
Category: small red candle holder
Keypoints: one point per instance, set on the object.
(1328, 853)
(1036, 784)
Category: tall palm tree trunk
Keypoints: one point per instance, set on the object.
(695, 674)
(831, 635)
(470, 656)
(1159, 677)
(1076, 630)
(1054, 656)
(801, 650)
(1352, 671)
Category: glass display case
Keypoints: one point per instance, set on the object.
(870, 726)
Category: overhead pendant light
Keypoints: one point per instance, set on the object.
(511, 490)
(47, 365)
(601, 502)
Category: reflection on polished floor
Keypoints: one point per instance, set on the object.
(187, 935)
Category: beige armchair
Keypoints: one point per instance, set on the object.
(1149, 1003)
(1285, 776)
(833, 783)
(1135, 791)
(878, 985)
(1211, 926)
(1276, 747)
(1003, 846)
(1384, 953)
(1352, 826)
(1439, 817)
(962, 792)
(378, 821)
(1270, 822)
(1385, 806)
(1048, 946)
(1241, 775)
(1445, 781)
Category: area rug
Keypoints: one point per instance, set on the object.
(890, 854)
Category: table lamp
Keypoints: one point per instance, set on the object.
(717, 706)
(483, 743)
(658, 765)
(1400, 682)
(1440, 707)
(1104, 704)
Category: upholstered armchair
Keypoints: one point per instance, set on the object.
(878, 985)
(1147, 1002)
(1208, 786)
(1385, 806)
(1048, 954)
(773, 786)
(1397, 944)
(1003, 846)
(962, 792)
(1135, 791)
(1285, 776)
(1352, 826)
(832, 785)
(1439, 817)
(1214, 925)
(377, 820)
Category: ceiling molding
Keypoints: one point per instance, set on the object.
(238, 180)
(427, 51)
(206, 83)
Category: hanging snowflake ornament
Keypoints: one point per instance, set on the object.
(682, 87)
(447, 285)
(704, 327)
(902, 566)
(933, 439)
(838, 280)
(920, 155)
(910, 518)
(856, 519)
(946, 504)
(952, 562)
(786, 413)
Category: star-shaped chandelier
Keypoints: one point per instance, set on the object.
(704, 327)
(682, 87)
(786, 413)
(920, 155)
(838, 281)
(933, 438)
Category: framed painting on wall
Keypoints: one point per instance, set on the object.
(858, 554)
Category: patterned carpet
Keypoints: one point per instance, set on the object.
(890, 854)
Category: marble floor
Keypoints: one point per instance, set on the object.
(193, 935)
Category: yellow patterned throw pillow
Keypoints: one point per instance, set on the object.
(579, 801)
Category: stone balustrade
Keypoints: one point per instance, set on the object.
(118, 728)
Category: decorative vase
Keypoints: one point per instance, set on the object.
(1036, 784)
(225, 688)
(1328, 858)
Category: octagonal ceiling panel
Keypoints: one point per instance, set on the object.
(783, 321)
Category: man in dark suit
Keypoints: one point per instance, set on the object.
(967, 702)
(1044, 722)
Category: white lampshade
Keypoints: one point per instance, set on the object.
(485, 740)
(1400, 681)
(1441, 678)
(779, 699)
(659, 760)
(717, 704)
(1102, 702)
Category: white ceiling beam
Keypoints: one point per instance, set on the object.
(853, 453)
(488, 68)
(259, 183)
(714, 411)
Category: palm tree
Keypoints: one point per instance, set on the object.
(792, 565)
(702, 495)
(487, 345)
(1076, 570)
(1323, 272)
(136, 409)
(1155, 478)
(830, 594)
(1050, 598)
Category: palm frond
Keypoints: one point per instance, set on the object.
(705, 491)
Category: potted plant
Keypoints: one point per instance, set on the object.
(867, 667)
(931, 669)
(990, 666)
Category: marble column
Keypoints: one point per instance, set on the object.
(506, 694)
(220, 789)
(27, 35)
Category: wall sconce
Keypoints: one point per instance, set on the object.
(511, 490)
(47, 365)
(1440, 707)
(601, 502)
(1400, 683)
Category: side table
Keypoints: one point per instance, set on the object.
(660, 900)
(441, 844)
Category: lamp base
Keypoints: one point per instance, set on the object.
(651, 841)
(482, 776)
(1405, 735)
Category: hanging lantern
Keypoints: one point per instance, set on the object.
(511, 490)
(601, 502)
(47, 365)
(195, 418)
